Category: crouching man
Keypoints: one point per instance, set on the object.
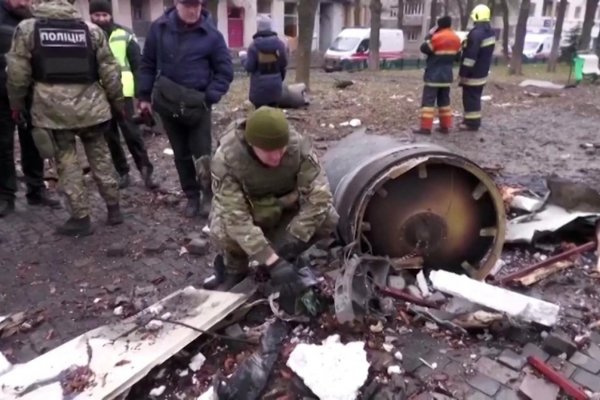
(271, 201)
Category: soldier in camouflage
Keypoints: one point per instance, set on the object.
(271, 200)
(75, 80)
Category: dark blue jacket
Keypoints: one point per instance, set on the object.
(196, 57)
(442, 49)
(477, 55)
(267, 63)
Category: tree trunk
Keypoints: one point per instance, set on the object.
(516, 60)
(464, 10)
(400, 16)
(375, 8)
(560, 19)
(357, 12)
(307, 9)
(505, 28)
(492, 6)
(446, 7)
(588, 24)
(433, 13)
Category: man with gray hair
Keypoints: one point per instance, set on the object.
(267, 63)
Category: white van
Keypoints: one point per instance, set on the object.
(352, 44)
(537, 46)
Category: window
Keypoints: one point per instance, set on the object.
(344, 43)
(264, 7)
(547, 8)
(412, 33)
(290, 19)
(577, 12)
(413, 7)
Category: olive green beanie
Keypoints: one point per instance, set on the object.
(267, 128)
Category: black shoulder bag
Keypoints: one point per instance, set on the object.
(170, 99)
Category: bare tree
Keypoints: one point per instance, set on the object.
(588, 24)
(307, 10)
(516, 61)
(375, 6)
(433, 12)
(464, 11)
(505, 27)
(560, 19)
(357, 12)
(400, 16)
(446, 7)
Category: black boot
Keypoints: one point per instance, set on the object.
(205, 204)
(221, 280)
(76, 227)
(114, 215)
(43, 198)
(123, 181)
(6, 207)
(192, 208)
(147, 177)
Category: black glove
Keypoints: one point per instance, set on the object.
(285, 278)
(289, 247)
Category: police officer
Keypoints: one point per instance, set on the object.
(271, 200)
(475, 66)
(126, 50)
(11, 13)
(64, 59)
(441, 47)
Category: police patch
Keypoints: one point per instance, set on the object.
(60, 37)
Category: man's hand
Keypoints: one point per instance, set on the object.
(288, 246)
(285, 278)
(145, 107)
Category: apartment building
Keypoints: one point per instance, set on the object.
(236, 19)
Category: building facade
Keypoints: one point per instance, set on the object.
(236, 19)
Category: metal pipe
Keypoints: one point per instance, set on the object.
(398, 198)
(549, 261)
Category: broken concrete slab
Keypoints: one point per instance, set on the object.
(514, 304)
(105, 349)
(557, 343)
(507, 394)
(332, 370)
(541, 84)
(535, 388)
(593, 351)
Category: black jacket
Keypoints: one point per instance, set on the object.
(477, 55)
(8, 23)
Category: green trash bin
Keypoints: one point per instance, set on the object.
(578, 68)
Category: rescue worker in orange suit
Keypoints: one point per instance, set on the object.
(475, 65)
(442, 47)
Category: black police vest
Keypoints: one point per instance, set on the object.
(63, 52)
(267, 62)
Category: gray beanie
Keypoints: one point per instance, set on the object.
(263, 23)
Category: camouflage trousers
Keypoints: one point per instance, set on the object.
(70, 172)
(236, 260)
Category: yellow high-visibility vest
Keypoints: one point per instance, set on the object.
(118, 41)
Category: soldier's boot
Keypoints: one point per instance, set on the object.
(192, 208)
(205, 204)
(76, 227)
(43, 198)
(114, 216)
(6, 207)
(222, 280)
(148, 180)
(123, 181)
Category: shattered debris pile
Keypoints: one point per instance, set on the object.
(420, 298)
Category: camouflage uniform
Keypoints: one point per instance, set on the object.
(254, 205)
(69, 110)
